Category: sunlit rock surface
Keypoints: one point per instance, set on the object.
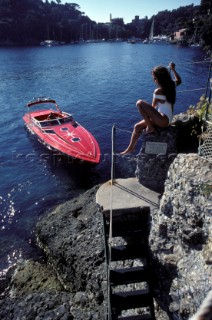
(180, 238)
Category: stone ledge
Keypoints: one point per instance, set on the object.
(127, 194)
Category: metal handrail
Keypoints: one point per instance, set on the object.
(112, 154)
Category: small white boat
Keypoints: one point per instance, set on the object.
(49, 43)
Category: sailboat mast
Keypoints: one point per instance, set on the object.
(151, 35)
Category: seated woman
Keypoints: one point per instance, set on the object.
(160, 112)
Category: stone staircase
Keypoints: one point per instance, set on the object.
(129, 274)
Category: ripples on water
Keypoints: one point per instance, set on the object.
(99, 84)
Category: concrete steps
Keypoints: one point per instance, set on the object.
(129, 286)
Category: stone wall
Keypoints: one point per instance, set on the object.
(180, 238)
(158, 151)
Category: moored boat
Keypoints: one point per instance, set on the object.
(59, 132)
(49, 43)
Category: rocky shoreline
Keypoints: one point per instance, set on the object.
(69, 280)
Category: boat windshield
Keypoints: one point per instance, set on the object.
(48, 123)
(66, 120)
(56, 122)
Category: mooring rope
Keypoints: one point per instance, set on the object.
(124, 130)
(194, 62)
(189, 90)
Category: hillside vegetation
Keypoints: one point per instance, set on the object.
(28, 22)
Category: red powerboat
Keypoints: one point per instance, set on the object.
(59, 132)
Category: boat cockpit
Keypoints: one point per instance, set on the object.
(54, 119)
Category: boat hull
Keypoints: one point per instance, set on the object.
(69, 138)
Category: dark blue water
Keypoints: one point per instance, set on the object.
(99, 84)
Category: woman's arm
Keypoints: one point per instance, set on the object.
(154, 102)
(157, 92)
(176, 75)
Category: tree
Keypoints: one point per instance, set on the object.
(206, 6)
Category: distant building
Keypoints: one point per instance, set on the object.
(117, 21)
(137, 21)
(180, 35)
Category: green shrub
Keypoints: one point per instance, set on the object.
(202, 110)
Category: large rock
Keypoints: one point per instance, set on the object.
(34, 292)
(189, 129)
(71, 236)
(72, 284)
(157, 153)
(180, 238)
(159, 149)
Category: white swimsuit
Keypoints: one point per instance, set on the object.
(165, 108)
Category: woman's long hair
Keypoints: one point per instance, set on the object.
(165, 81)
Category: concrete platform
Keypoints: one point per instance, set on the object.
(125, 194)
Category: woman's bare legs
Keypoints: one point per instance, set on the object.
(135, 135)
(151, 116)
